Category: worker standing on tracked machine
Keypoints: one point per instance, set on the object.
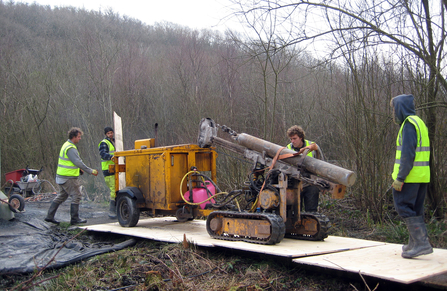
(107, 151)
(411, 174)
(69, 167)
(310, 193)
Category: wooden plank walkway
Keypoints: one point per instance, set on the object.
(384, 261)
(376, 259)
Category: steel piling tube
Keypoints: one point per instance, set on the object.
(318, 167)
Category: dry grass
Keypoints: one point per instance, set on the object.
(159, 266)
(151, 265)
(347, 221)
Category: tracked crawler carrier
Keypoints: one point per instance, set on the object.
(180, 180)
(275, 186)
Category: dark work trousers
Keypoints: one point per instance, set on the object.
(410, 201)
(71, 187)
(309, 196)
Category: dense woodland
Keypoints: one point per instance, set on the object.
(65, 67)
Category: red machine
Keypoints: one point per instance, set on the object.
(22, 181)
(20, 184)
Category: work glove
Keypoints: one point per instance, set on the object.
(397, 185)
(94, 172)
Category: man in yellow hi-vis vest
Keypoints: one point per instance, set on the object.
(411, 174)
(69, 167)
(310, 193)
(107, 151)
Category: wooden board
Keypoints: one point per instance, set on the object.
(293, 248)
(384, 262)
(119, 145)
(376, 259)
(166, 229)
(169, 230)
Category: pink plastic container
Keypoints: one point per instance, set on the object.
(200, 194)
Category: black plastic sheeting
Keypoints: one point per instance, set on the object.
(27, 246)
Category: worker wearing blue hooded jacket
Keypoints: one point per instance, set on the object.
(298, 142)
(411, 174)
(107, 151)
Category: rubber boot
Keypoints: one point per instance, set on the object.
(51, 212)
(112, 209)
(410, 244)
(418, 232)
(74, 211)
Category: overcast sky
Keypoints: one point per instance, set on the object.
(198, 14)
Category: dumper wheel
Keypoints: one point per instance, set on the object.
(127, 211)
(183, 215)
(16, 203)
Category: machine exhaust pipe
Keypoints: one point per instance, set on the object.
(156, 135)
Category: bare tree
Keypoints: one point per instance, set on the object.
(269, 50)
(411, 30)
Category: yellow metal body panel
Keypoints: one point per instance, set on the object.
(157, 182)
(148, 143)
(158, 172)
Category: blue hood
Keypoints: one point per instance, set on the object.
(403, 107)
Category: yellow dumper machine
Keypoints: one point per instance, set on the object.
(180, 181)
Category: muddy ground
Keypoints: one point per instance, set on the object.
(95, 213)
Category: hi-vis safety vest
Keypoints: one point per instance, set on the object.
(420, 173)
(310, 154)
(65, 167)
(105, 163)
